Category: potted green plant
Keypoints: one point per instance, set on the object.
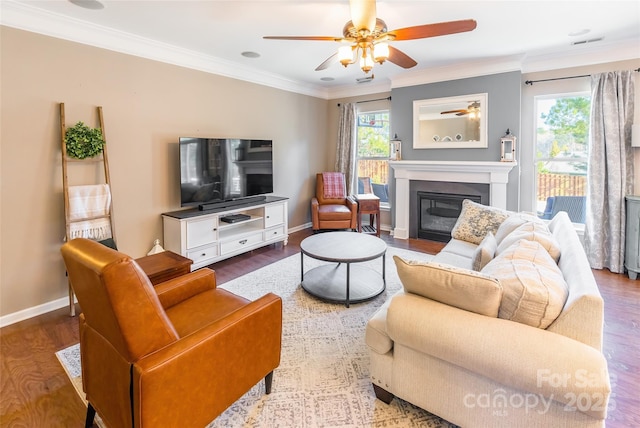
(83, 142)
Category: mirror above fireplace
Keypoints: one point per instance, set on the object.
(450, 123)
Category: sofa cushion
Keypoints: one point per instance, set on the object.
(476, 220)
(461, 248)
(532, 231)
(484, 252)
(462, 288)
(534, 289)
(453, 259)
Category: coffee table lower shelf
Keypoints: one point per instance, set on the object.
(343, 283)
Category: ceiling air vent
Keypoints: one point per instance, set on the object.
(365, 79)
(584, 42)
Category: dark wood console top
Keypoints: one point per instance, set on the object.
(195, 212)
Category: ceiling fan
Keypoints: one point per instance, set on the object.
(474, 107)
(366, 38)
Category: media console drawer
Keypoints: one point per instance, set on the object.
(273, 233)
(238, 244)
(203, 254)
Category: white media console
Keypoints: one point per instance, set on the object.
(205, 238)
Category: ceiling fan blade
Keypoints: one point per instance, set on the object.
(454, 111)
(433, 30)
(318, 38)
(328, 62)
(400, 58)
(363, 14)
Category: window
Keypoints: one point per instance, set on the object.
(373, 152)
(562, 148)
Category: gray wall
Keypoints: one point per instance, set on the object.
(504, 92)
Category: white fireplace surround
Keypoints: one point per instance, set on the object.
(496, 174)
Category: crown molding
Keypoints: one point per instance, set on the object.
(35, 20)
(461, 70)
(582, 56)
(346, 91)
(25, 17)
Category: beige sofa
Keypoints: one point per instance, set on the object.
(479, 370)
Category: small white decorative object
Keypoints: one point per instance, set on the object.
(395, 148)
(156, 248)
(508, 147)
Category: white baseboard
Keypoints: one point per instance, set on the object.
(301, 227)
(34, 311)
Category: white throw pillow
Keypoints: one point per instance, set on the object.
(476, 220)
(532, 231)
(461, 288)
(485, 252)
(534, 288)
(513, 222)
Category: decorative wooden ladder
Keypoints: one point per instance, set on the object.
(66, 160)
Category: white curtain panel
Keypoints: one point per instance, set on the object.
(346, 148)
(610, 171)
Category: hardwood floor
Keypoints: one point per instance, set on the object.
(35, 391)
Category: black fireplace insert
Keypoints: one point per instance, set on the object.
(438, 213)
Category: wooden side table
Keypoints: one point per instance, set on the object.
(164, 266)
(369, 203)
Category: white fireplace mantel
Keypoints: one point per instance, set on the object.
(496, 174)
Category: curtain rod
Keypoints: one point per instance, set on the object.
(531, 82)
(368, 101)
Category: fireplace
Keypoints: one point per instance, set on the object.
(438, 213)
(495, 175)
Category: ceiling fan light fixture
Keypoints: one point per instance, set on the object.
(367, 36)
(345, 55)
(366, 62)
(381, 52)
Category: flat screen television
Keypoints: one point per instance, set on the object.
(217, 171)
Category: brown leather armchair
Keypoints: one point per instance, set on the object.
(177, 354)
(332, 213)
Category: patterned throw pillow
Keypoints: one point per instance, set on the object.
(461, 288)
(534, 288)
(485, 252)
(476, 220)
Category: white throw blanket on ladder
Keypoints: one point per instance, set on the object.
(86, 202)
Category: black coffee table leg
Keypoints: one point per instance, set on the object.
(384, 277)
(301, 266)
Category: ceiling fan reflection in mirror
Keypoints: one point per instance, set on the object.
(366, 39)
(473, 109)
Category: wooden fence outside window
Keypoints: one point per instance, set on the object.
(561, 185)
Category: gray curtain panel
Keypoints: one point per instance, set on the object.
(610, 174)
(346, 148)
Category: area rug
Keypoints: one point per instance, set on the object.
(323, 377)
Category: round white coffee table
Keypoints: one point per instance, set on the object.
(341, 282)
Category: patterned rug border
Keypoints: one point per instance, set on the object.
(323, 377)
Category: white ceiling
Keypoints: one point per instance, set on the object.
(211, 35)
